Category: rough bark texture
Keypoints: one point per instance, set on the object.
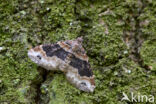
(119, 37)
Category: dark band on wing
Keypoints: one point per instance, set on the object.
(68, 43)
(82, 66)
(55, 50)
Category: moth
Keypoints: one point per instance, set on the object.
(69, 57)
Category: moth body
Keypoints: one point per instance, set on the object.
(69, 57)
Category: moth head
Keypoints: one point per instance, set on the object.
(36, 55)
(87, 85)
(79, 39)
(76, 44)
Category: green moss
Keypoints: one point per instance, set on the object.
(148, 54)
(16, 70)
(60, 91)
(126, 76)
(148, 29)
(102, 25)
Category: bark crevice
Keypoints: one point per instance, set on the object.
(134, 37)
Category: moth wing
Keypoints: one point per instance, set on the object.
(82, 66)
(55, 50)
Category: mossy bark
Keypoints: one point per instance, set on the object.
(119, 38)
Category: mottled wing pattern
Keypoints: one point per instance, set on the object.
(67, 56)
(82, 66)
(55, 50)
(78, 49)
(78, 58)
